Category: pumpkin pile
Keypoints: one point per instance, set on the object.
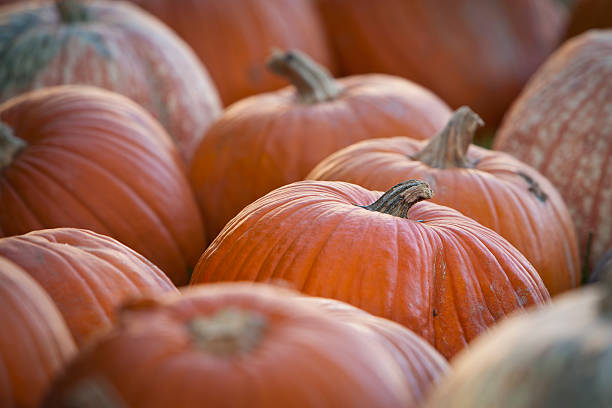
(294, 203)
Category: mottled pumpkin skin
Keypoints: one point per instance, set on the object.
(87, 275)
(272, 139)
(562, 126)
(498, 192)
(96, 160)
(121, 49)
(439, 273)
(234, 38)
(35, 342)
(470, 52)
(302, 358)
(557, 356)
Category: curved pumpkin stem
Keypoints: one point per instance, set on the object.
(313, 82)
(10, 145)
(229, 331)
(71, 11)
(448, 149)
(401, 197)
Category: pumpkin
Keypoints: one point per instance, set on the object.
(242, 345)
(588, 14)
(35, 342)
(87, 275)
(561, 125)
(273, 139)
(470, 52)
(427, 267)
(84, 157)
(491, 187)
(233, 39)
(112, 45)
(558, 356)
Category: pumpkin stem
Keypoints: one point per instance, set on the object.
(228, 332)
(313, 82)
(401, 197)
(448, 149)
(71, 11)
(10, 145)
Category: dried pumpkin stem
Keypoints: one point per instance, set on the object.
(313, 82)
(71, 11)
(228, 332)
(10, 145)
(401, 197)
(448, 149)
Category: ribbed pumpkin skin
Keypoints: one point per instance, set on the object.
(493, 193)
(303, 358)
(558, 356)
(96, 160)
(562, 126)
(234, 38)
(270, 140)
(121, 49)
(470, 52)
(87, 275)
(446, 278)
(35, 342)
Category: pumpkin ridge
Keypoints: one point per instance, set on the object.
(10, 145)
(4, 181)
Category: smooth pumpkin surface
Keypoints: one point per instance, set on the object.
(87, 275)
(112, 45)
(588, 14)
(425, 266)
(87, 158)
(561, 125)
(478, 53)
(276, 138)
(557, 356)
(234, 38)
(491, 187)
(35, 343)
(242, 345)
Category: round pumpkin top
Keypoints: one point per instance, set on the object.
(435, 271)
(491, 187)
(273, 139)
(112, 45)
(237, 345)
(557, 356)
(85, 157)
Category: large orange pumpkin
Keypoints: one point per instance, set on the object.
(34, 341)
(87, 158)
(87, 275)
(470, 52)
(246, 345)
(562, 126)
(234, 38)
(273, 139)
(493, 188)
(113, 45)
(431, 268)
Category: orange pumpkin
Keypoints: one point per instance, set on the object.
(112, 45)
(589, 14)
(234, 38)
(428, 267)
(470, 52)
(273, 139)
(561, 125)
(246, 345)
(35, 342)
(87, 275)
(493, 188)
(87, 158)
